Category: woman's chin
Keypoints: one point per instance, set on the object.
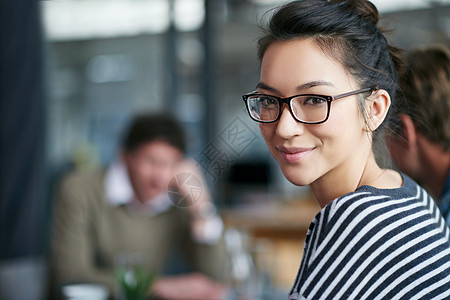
(295, 178)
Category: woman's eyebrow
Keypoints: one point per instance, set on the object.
(264, 86)
(313, 84)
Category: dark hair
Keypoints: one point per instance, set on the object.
(425, 85)
(346, 31)
(152, 127)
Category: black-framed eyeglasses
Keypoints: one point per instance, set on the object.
(305, 108)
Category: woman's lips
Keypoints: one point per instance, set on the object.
(293, 154)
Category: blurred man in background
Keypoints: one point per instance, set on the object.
(101, 217)
(421, 146)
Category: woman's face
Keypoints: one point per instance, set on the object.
(307, 153)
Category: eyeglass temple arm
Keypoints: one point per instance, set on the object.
(371, 89)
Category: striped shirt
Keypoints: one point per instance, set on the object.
(376, 244)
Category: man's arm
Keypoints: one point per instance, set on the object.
(72, 240)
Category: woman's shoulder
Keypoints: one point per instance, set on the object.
(368, 200)
(408, 190)
(382, 235)
(374, 215)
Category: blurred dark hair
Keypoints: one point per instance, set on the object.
(425, 97)
(346, 31)
(154, 127)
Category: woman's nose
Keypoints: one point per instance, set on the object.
(287, 126)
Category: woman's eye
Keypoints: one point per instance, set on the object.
(314, 101)
(267, 101)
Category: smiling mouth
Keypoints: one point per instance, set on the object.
(292, 155)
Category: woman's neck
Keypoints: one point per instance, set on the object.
(347, 178)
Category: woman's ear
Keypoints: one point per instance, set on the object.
(377, 109)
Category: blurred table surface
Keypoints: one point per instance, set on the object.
(282, 223)
(285, 218)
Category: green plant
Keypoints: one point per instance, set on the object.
(135, 284)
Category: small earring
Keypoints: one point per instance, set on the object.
(367, 128)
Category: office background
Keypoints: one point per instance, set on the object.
(74, 72)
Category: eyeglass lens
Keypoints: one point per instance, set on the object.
(305, 108)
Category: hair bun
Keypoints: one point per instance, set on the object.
(363, 8)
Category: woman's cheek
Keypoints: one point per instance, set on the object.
(267, 131)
